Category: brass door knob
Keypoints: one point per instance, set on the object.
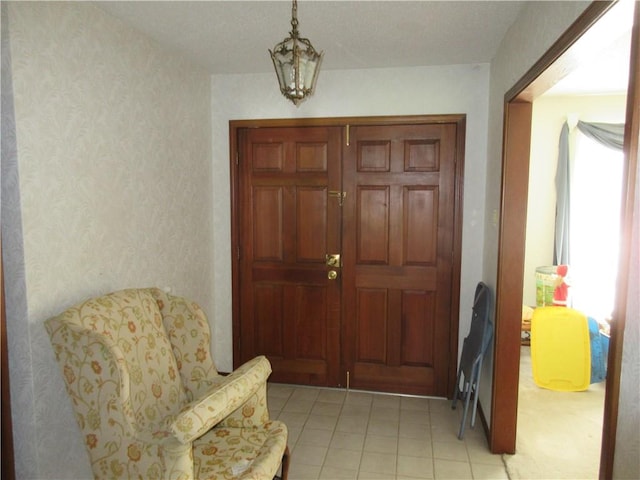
(332, 275)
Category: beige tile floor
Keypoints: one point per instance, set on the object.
(334, 434)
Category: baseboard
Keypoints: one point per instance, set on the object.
(483, 419)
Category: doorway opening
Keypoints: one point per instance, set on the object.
(518, 110)
(572, 422)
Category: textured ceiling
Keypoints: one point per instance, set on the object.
(234, 36)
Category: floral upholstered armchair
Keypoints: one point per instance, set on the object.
(149, 400)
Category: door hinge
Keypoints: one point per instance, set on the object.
(237, 157)
(339, 195)
(348, 375)
(347, 133)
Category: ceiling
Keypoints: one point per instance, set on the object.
(604, 52)
(233, 36)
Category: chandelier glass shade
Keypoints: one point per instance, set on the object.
(296, 62)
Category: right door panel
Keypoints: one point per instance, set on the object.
(398, 244)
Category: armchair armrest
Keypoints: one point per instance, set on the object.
(199, 416)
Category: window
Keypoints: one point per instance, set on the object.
(596, 191)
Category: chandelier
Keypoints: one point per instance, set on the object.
(296, 62)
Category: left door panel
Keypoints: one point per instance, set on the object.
(290, 219)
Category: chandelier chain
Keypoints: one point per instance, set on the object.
(294, 19)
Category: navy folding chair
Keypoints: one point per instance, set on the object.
(473, 350)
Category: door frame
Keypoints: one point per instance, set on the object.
(561, 57)
(459, 119)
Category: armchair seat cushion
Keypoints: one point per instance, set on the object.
(240, 453)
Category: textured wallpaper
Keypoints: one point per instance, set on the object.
(13, 268)
(114, 154)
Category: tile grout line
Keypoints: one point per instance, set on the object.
(371, 418)
(506, 469)
(335, 429)
(433, 450)
(364, 440)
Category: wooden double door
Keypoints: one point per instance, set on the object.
(347, 245)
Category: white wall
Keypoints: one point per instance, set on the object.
(114, 150)
(549, 114)
(407, 91)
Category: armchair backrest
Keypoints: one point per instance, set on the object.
(188, 331)
(121, 374)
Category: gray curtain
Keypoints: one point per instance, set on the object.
(561, 245)
(608, 134)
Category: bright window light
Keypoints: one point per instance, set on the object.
(596, 192)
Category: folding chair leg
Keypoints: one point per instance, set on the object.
(465, 411)
(475, 400)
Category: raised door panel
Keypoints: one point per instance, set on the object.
(418, 316)
(268, 300)
(420, 216)
(372, 225)
(268, 234)
(371, 320)
(311, 220)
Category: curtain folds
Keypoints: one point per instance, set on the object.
(563, 190)
(608, 134)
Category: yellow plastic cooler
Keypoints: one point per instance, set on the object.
(560, 349)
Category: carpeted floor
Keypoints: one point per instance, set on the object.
(559, 433)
